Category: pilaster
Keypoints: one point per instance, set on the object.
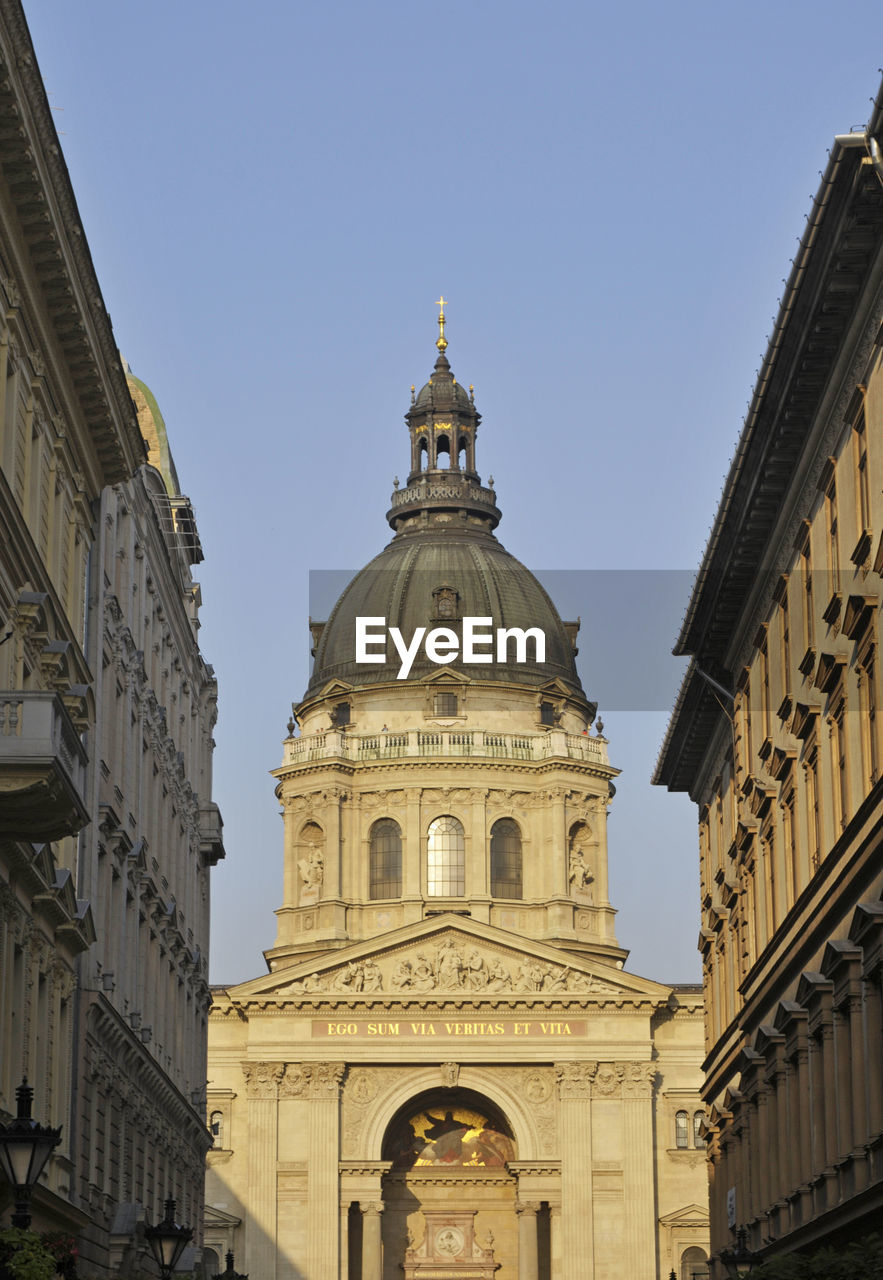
(323, 1195)
(262, 1085)
(577, 1220)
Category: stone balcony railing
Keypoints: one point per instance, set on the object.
(42, 768)
(449, 743)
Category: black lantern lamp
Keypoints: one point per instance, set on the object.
(25, 1146)
(738, 1260)
(228, 1273)
(168, 1240)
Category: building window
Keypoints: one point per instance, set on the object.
(446, 859)
(860, 445)
(813, 814)
(698, 1120)
(445, 704)
(681, 1130)
(341, 715)
(866, 664)
(547, 713)
(216, 1128)
(505, 859)
(385, 860)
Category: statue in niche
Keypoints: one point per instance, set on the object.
(312, 873)
(580, 876)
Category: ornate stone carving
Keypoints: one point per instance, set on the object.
(450, 1074)
(262, 1078)
(608, 1078)
(295, 1081)
(451, 967)
(362, 1085)
(575, 1079)
(326, 1079)
(638, 1079)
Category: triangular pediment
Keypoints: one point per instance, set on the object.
(691, 1215)
(450, 958)
(445, 675)
(216, 1218)
(334, 688)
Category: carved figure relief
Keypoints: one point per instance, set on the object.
(451, 968)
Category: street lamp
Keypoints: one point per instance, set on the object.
(740, 1261)
(25, 1146)
(228, 1273)
(168, 1240)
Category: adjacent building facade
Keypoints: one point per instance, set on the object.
(447, 1069)
(107, 828)
(776, 736)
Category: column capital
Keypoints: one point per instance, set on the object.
(526, 1208)
(262, 1078)
(371, 1208)
(575, 1078)
(326, 1079)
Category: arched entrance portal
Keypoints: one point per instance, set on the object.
(449, 1197)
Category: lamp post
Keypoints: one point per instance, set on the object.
(25, 1146)
(168, 1240)
(228, 1273)
(739, 1261)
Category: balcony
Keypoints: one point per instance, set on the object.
(447, 743)
(42, 768)
(211, 838)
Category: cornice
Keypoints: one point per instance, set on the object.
(60, 260)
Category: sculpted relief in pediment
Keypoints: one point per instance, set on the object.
(451, 966)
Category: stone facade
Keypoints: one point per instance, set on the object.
(145, 865)
(786, 766)
(107, 827)
(67, 429)
(447, 1070)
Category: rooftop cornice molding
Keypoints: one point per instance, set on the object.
(59, 256)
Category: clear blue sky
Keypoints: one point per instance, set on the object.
(275, 193)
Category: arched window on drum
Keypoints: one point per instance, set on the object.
(506, 859)
(385, 861)
(446, 858)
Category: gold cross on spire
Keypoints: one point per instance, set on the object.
(441, 342)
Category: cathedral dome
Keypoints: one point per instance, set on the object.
(436, 579)
(445, 566)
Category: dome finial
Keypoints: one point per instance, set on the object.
(441, 341)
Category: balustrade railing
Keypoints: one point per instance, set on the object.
(333, 743)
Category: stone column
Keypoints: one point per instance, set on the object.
(578, 1231)
(555, 1241)
(262, 1084)
(637, 1132)
(479, 860)
(331, 882)
(412, 845)
(323, 1191)
(344, 1245)
(372, 1241)
(528, 1258)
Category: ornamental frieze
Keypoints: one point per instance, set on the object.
(450, 967)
